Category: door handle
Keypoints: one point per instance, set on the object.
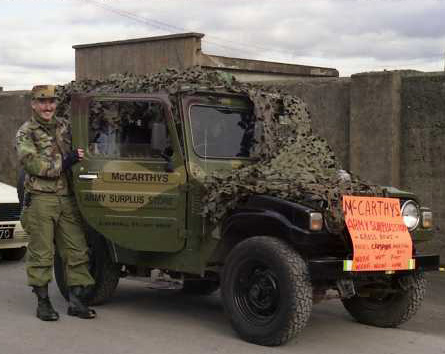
(88, 176)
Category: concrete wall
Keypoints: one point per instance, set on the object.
(15, 108)
(328, 101)
(375, 127)
(423, 145)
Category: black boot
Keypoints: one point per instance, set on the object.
(76, 306)
(45, 310)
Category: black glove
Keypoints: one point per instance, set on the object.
(69, 160)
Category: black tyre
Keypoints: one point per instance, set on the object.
(199, 286)
(266, 291)
(14, 254)
(389, 308)
(104, 271)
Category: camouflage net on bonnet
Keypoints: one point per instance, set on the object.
(290, 161)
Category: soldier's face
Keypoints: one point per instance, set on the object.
(44, 107)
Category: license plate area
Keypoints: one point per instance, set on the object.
(6, 232)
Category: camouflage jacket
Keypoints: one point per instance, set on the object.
(40, 152)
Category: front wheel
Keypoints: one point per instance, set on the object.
(389, 303)
(266, 291)
(105, 272)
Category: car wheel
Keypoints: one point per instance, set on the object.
(14, 254)
(266, 291)
(390, 303)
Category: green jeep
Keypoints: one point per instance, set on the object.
(141, 191)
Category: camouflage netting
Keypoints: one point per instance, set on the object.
(290, 161)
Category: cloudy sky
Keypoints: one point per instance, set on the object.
(36, 36)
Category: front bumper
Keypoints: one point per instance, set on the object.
(332, 269)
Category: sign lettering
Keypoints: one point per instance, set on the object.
(151, 200)
(380, 237)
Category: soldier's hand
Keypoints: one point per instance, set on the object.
(73, 157)
(80, 153)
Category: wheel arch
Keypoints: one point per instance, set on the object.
(246, 224)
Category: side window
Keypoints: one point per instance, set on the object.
(123, 129)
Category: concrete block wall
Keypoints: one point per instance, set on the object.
(374, 147)
(15, 109)
(423, 146)
(328, 102)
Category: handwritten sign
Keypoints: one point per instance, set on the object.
(380, 237)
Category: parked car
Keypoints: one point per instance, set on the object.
(13, 239)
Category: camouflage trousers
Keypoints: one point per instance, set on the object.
(52, 220)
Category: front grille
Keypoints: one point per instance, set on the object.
(9, 212)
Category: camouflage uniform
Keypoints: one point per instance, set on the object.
(50, 214)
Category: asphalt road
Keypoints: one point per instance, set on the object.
(142, 320)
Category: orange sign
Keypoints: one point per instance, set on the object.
(380, 238)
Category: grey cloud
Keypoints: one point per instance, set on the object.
(347, 34)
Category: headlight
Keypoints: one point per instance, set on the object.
(411, 214)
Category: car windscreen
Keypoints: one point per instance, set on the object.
(221, 132)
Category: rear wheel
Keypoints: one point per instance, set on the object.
(266, 291)
(102, 268)
(389, 303)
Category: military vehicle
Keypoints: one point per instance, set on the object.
(141, 189)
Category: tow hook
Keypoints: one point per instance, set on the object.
(406, 282)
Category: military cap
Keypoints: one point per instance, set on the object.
(43, 91)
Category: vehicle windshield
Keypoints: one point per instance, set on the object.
(221, 132)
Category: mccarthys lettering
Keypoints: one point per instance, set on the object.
(373, 208)
(139, 177)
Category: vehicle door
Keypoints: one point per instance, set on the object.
(125, 187)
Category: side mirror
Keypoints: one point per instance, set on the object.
(158, 137)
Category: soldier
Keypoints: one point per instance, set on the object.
(50, 215)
